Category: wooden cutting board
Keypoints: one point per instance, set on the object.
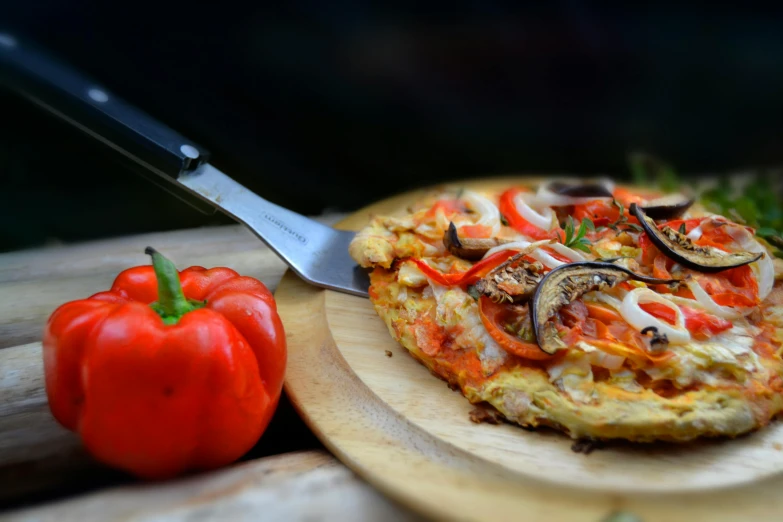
(407, 433)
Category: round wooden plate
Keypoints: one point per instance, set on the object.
(403, 430)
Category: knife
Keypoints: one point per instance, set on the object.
(315, 252)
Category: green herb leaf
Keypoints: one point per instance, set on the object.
(766, 231)
(760, 204)
(582, 231)
(473, 292)
(581, 246)
(589, 224)
(503, 220)
(635, 227)
(682, 228)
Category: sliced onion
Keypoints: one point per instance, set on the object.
(570, 253)
(544, 257)
(598, 357)
(638, 318)
(516, 245)
(437, 290)
(605, 298)
(546, 197)
(764, 267)
(695, 234)
(489, 215)
(543, 220)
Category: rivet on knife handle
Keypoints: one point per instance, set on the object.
(92, 108)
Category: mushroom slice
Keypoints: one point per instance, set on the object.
(567, 283)
(681, 249)
(670, 206)
(468, 247)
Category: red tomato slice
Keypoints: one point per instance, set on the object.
(733, 287)
(492, 315)
(447, 206)
(602, 313)
(600, 212)
(477, 231)
(700, 324)
(690, 224)
(626, 197)
(515, 220)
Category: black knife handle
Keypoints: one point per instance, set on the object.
(90, 107)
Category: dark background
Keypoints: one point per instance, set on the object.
(320, 105)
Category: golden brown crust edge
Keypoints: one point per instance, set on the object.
(525, 396)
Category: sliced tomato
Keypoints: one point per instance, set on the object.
(573, 313)
(623, 339)
(649, 251)
(690, 224)
(515, 220)
(493, 316)
(469, 276)
(447, 206)
(734, 287)
(429, 336)
(477, 231)
(600, 212)
(631, 351)
(626, 196)
(661, 266)
(700, 324)
(602, 313)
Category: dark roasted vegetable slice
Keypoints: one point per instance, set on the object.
(513, 281)
(671, 206)
(579, 190)
(678, 247)
(468, 247)
(567, 283)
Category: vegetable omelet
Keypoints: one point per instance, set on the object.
(600, 311)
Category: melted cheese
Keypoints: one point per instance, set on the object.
(702, 361)
(410, 275)
(456, 308)
(574, 376)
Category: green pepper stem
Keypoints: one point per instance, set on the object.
(172, 303)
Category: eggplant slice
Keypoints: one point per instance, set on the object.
(469, 248)
(567, 283)
(579, 190)
(681, 249)
(514, 281)
(671, 206)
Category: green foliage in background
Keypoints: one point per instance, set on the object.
(757, 203)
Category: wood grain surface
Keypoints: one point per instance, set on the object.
(308, 485)
(407, 433)
(37, 456)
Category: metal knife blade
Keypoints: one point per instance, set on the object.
(315, 252)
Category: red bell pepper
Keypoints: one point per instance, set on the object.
(508, 209)
(469, 276)
(167, 372)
